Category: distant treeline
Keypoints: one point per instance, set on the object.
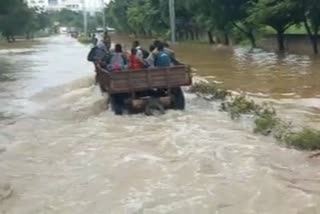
(16, 18)
(219, 19)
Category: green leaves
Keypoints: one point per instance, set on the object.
(279, 15)
(138, 16)
(16, 18)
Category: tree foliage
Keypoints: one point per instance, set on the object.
(219, 18)
(17, 19)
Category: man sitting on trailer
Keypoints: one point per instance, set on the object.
(162, 59)
(167, 50)
(135, 63)
(150, 59)
(141, 53)
(118, 61)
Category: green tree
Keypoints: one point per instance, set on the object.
(279, 15)
(117, 15)
(311, 20)
(220, 18)
(17, 19)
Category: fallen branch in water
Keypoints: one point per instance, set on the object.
(315, 155)
(5, 192)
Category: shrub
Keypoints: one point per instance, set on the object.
(84, 39)
(266, 120)
(239, 105)
(209, 89)
(307, 139)
(265, 124)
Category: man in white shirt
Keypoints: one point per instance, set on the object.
(139, 54)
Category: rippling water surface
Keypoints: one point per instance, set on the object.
(66, 153)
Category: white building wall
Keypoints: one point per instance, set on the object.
(72, 4)
(38, 3)
(75, 5)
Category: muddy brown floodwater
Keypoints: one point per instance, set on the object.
(64, 152)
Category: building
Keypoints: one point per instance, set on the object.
(75, 5)
(38, 3)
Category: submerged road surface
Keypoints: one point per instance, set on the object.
(63, 152)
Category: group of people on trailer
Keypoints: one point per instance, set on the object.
(117, 60)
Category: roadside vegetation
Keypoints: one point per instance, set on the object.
(84, 39)
(221, 21)
(209, 91)
(265, 118)
(18, 21)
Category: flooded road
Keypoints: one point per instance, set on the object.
(65, 153)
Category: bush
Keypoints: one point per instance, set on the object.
(239, 105)
(307, 139)
(282, 131)
(85, 39)
(266, 120)
(211, 89)
(265, 124)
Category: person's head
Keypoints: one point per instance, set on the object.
(105, 34)
(106, 38)
(95, 41)
(135, 44)
(152, 48)
(166, 44)
(134, 51)
(160, 47)
(118, 48)
(156, 43)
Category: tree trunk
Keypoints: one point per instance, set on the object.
(314, 41)
(280, 38)
(218, 39)
(312, 36)
(210, 37)
(144, 33)
(8, 38)
(197, 35)
(186, 33)
(178, 35)
(192, 34)
(316, 49)
(28, 36)
(226, 38)
(249, 34)
(252, 39)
